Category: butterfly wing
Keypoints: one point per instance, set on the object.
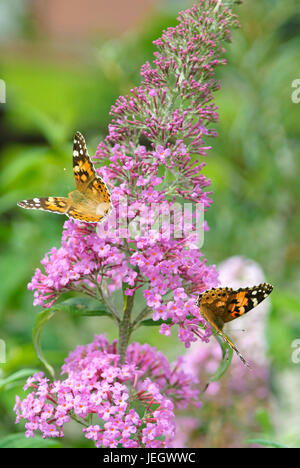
(245, 299)
(91, 201)
(58, 205)
(213, 305)
(65, 206)
(82, 212)
(86, 180)
(222, 305)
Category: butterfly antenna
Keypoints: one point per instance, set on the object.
(234, 348)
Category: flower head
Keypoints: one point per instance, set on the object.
(96, 385)
(153, 154)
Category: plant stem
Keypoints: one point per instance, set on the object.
(140, 317)
(125, 327)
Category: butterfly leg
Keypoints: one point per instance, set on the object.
(218, 323)
(233, 347)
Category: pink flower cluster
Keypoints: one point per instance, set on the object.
(144, 246)
(104, 396)
(171, 110)
(162, 267)
(239, 392)
(136, 172)
(174, 100)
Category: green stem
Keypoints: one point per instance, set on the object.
(217, 6)
(125, 327)
(140, 317)
(102, 298)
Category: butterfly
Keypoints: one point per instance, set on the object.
(90, 202)
(221, 305)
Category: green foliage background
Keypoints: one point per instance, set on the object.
(254, 167)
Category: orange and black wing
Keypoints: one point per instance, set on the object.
(93, 203)
(228, 304)
(83, 168)
(86, 179)
(221, 305)
(82, 213)
(58, 205)
(213, 305)
(62, 205)
(245, 299)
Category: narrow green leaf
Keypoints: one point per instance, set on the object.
(227, 354)
(16, 376)
(95, 313)
(152, 323)
(41, 320)
(266, 443)
(78, 305)
(82, 306)
(20, 441)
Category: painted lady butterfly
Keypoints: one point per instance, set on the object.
(221, 305)
(90, 202)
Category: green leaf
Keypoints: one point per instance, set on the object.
(95, 313)
(20, 441)
(266, 443)
(79, 305)
(82, 306)
(20, 375)
(227, 354)
(263, 418)
(152, 323)
(41, 320)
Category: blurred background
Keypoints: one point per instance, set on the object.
(63, 64)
